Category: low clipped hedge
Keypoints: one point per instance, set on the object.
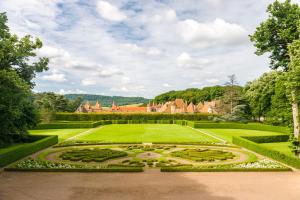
(129, 116)
(115, 169)
(67, 125)
(193, 169)
(87, 124)
(276, 155)
(250, 126)
(39, 143)
(268, 139)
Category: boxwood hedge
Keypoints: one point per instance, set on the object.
(250, 126)
(129, 116)
(39, 143)
(276, 155)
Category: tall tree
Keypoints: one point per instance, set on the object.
(259, 94)
(275, 34)
(231, 92)
(18, 66)
(19, 54)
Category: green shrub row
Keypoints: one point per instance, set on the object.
(110, 169)
(88, 124)
(276, 155)
(129, 116)
(40, 143)
(250, 126)
(268, 138)
(193, 169)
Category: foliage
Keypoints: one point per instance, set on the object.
(192, 94)
(18, 66)
(92, 155)
(16, 108)
(250, 126)
(203, 155)
(17, 54)
(261, 165)
(48, 166)
(27, 149)
(294, 145)
(259, 94)
(276, 155)
(239, 114)
(268, 138)
(129, 116)
(49, 103)
(73, 124)
(106, 101)
(277, 32)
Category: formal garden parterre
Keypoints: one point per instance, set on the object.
(178, 146)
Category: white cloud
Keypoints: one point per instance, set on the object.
(110, 12)
(211, 33)
(167, 85)
(88, 81)
(213, 81)
(184, 60)
(55, 76)
(76, 91)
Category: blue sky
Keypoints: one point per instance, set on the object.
(140, 48)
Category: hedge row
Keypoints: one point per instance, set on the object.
(250, 126)
(193, 169)
(129, 116)
(268, 139)
(40, 143)
(79, 124)
(120, 169)
(276, 155)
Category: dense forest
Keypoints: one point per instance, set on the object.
(106, 101)
(195, 95)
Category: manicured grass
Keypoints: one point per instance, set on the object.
(146, 133)
(63, 134)
(282, 147)
(227, 134)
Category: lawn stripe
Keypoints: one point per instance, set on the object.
(208, 134)
(83, 133)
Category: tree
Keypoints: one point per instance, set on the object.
(18, 66)
(274, 36)
(277, 32)
(294, 82)
(16, 108)
(19, 54)
(232, 92)
(259, 94)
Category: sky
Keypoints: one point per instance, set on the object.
(140, 47)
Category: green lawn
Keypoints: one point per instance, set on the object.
(146, 133)
(280, 146)
(62, 133)
(227, 134)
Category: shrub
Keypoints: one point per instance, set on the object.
(129, 116)
(250, 126)
(276, 155)
(40, 142)
(268, 139)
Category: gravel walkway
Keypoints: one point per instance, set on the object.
(150, 185)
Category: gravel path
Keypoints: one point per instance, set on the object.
(150, 185)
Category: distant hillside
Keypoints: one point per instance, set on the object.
(107, 100)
